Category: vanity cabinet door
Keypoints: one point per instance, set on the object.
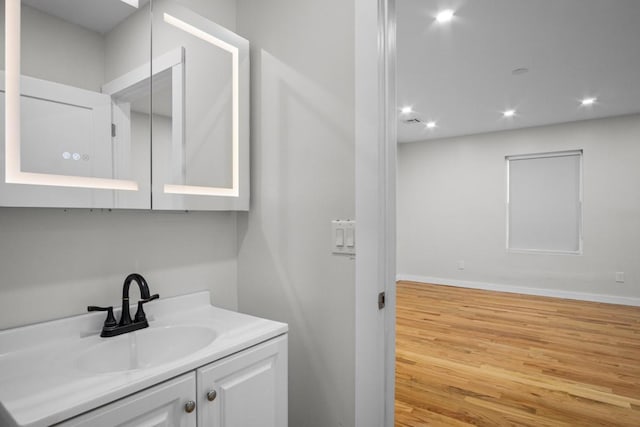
(248, 389)
(163, 405)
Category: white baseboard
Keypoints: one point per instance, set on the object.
(582, 296)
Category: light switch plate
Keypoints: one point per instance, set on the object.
(343, 236)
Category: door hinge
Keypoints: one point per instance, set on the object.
(381, 300)
(113, 130)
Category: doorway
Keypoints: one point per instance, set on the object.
(483, 85)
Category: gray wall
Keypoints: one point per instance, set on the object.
(451, 207)
(302, 177)
(55, 50)
(54, 262)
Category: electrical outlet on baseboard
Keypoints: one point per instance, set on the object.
(619, 276)
(460, 265)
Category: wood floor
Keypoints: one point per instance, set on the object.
(470, 357)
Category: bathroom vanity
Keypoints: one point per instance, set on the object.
(195, 365)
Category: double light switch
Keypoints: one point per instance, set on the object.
(344, 236)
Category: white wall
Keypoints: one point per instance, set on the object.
(451, 207)
(127, 45)
(55, 50)
(54, 263)
(302, 67)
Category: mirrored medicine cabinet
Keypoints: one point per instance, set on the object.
(126, 104)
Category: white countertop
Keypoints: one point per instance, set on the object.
(41, 383)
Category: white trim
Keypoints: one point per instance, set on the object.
(58, 92)
(12, 86)
(389, 163)
(553, 293)
(565, 153)
(139, 76)
(543, 251)
(178, 123)
(375, 143)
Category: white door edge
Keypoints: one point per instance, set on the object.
(375, 212)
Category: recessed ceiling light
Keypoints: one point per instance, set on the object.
(588, 101)
(431, 125)
(509, 113)
(406, 110)
(444, 16)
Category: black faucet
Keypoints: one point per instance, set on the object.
(110, 327)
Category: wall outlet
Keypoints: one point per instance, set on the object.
(460, 265)
(619, 276)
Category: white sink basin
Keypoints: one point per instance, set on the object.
(56, 370)
(144, 348)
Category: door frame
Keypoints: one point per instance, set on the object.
(375, 130)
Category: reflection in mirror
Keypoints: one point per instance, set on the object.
(198, 143)
(77, 141)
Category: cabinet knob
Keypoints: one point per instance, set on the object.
(190, 406)
(211, 396)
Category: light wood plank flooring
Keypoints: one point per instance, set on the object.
(471, 357)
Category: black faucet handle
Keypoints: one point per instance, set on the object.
(140, 316)
(151, 298)
(110, 321)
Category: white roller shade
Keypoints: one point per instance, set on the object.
(544, 202)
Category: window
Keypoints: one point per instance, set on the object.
(544, 202)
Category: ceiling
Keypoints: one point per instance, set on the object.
(460, 74)
(96, 15)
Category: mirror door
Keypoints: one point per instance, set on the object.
(200, 112)
(66, 142)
